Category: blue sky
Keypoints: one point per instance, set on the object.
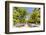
(29, 9)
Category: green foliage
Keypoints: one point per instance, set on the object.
(19, 14)
(35, 16)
